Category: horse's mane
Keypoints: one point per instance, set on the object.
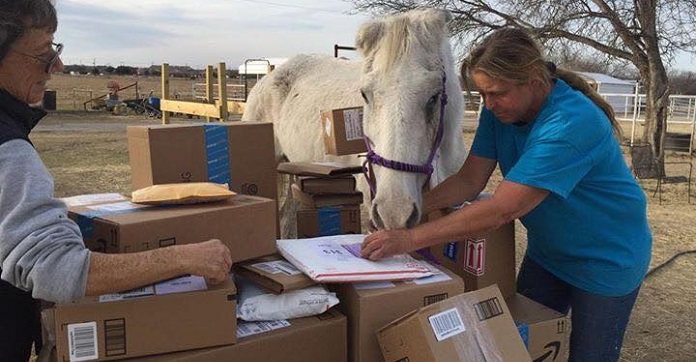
(384, 43)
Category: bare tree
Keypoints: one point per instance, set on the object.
(643, 33)
(682, 82)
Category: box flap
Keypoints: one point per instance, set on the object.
(318, 168)
(274, 273)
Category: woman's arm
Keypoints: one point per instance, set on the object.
(465, 185)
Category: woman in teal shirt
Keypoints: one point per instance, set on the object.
(565, 178)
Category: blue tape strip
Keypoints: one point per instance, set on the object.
(86, 220)
(523, 329)
(329, 221)
(451, 250)
(217, 153)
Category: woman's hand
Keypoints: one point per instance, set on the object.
(384, 243)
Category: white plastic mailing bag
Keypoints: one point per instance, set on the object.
(336, 259)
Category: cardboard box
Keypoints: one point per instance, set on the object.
(370, 306)
(327, 185)
(319, 338)
(327, 221)
(274, 273)
(483, 260)
(246, 224)
(473, 327)
(146, 325)
(318, 169)
(241, 154)
(544, 331)
(324, 200)
(343, 131)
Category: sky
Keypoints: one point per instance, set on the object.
(198, 33)
(205, 32)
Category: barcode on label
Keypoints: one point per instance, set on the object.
(430, 299)
(267, 267)
(488, 309)
(82, 341)
(287, 268)
(115, 337)
(246, 329)
(446, 324)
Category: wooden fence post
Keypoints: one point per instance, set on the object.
(222, 91)
(165, 90)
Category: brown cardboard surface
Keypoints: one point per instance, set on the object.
(311, 339)
(483, 260)
(486, 331)
(547, 330)
(246, 224)
(153, 324)
(324, 200)
(343, 133)
(317, 168)
(337, 220)
(327, 185)
(161, 154)
(276, 281)
(371, 308)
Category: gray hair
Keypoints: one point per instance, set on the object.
(18, 16)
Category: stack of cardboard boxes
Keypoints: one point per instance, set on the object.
(330, 202)
(185, 314)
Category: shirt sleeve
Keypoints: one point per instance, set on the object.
(41, 249)
(484, 140)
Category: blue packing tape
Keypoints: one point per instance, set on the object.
(523, 329)
(217, 153)
(85, 221)
(329, 221)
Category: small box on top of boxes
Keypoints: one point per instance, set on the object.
(343, 131)
(331, 204)
(241, 154)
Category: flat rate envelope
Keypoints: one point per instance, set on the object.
(332, 259)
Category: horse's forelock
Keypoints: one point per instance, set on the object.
(385, 43)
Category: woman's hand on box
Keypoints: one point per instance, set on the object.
(385, 243)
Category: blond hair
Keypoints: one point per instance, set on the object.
(512, 55)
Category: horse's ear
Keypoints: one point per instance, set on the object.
(441, 16)
(368, 36)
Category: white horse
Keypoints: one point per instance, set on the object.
(407, 69)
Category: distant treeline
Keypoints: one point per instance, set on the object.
(154, 70)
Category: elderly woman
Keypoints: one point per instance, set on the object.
(42, 255)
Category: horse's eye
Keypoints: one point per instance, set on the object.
(364, 97)
(432, 102)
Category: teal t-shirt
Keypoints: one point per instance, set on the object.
(592, 229)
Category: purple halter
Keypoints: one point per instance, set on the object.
(372, 158)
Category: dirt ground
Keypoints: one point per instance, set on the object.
(87, 153)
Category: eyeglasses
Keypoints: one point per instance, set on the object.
(50, 62)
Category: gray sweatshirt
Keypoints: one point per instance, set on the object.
(40, 248)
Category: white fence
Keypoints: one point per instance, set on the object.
(627, 107)
(235, 91)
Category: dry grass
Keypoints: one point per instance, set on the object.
(73, 90)
(86, 152)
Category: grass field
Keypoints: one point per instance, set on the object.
(87, 153)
